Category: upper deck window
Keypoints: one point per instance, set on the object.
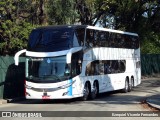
(50, 40)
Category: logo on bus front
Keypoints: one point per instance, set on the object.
(45, 96)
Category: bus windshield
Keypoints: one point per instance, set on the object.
(51, 69)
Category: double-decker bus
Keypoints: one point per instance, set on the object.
(64, 62)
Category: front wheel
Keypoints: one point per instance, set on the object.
(85, 92)
(94, 91)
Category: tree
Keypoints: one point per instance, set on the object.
(61, 12)
(14, 30)
(19, 17)
(92, 11)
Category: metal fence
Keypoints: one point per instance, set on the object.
(12, 77)
(150, 64)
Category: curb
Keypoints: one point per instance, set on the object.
(3, 101)
(154, 102)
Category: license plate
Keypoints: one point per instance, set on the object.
(45, 97)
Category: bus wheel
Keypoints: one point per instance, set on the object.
(131, 85)
(132, 82)
(95, 91)
(85, 92)
(126, 88)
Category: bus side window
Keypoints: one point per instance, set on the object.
(112, 40)
(103, 39)
(135, 42)
(122, 66)
(92, 69)
(96, 40)
(107, 39)
(107, 67)
(91, 38)
(114, 66)
(119, 40)
(75, 41)
(88, 69)
(128, 41)
(101, 68)
(122, 42)
(80, 32)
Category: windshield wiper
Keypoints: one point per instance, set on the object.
(57, 77)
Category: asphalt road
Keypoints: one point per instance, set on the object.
(111, 102)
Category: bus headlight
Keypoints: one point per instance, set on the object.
(28, 87)
(67, 85)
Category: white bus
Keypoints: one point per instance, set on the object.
(64, 62)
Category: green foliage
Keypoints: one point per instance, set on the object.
(151, 43)
(19, 17)
(14, 31)
(15, 36)
(61, 12)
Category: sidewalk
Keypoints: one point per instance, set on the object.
(154, 101)
(3, 101)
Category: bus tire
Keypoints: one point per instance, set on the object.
(126, 88)
(131, 84)
(94, 93)
(86, 92)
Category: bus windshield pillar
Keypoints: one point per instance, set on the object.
(71, 51)
(16, 57)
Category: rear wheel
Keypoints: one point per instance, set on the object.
(131, 85)
(126, 88)
(85, 92)
(94, 91)
(132, 82)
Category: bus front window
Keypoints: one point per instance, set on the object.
(51, 69)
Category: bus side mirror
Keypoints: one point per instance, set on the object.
(16, 57)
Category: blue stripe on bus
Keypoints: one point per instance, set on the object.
(70, 87)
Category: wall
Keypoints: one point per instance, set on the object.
(11, 77)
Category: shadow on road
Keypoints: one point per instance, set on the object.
(115, 97)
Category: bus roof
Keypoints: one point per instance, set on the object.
(61, 26)
(111, 30)
(88, 27)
